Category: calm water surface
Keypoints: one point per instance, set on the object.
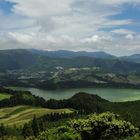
(111, 94)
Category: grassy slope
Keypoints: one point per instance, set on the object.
(4, 96)
(135, 138)
(21, 114)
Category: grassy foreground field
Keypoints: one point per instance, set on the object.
(4, 96)
(20, 115)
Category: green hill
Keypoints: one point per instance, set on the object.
(20, 115)
(4, 96)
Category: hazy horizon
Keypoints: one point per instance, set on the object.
(71, 51)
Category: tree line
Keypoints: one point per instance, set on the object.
(38, 125)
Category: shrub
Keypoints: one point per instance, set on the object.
(105, 126)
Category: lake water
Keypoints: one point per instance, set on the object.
(111, 94)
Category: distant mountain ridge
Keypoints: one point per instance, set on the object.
(71, 54)
(16, 59)
(43, 60)
(132, 58)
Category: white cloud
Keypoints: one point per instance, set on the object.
(14, 22)
(130, 36)
(110, 2)
(122, 31)
(115, 45)
(23, 38)
(67, 24)
(41, 8)
(97, 38)
(69, 16)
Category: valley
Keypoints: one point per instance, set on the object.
(63, 78)
(49, 72)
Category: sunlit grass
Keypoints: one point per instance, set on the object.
(20, 115)
(4, 96)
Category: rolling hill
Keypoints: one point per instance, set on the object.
(16, 59)
(20, 115)
(133, 58)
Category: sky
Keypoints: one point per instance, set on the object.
(112, 26)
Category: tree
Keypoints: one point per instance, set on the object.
(105, 126)
(27, 131)
(35, 126)
(3, 131)
(60, 133)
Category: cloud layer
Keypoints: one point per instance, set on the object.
(69, 24)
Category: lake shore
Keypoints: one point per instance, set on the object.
(111, 94)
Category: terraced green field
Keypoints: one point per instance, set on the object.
(4, 96)
(20, 115)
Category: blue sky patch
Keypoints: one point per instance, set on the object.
(6, 7)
